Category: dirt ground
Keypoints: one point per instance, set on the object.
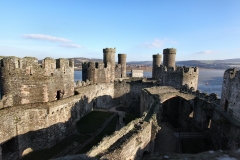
(165, 140)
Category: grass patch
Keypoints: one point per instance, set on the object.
(130, 117)
(91, 122)
(87, 125)
(108, 130)
(51, 152)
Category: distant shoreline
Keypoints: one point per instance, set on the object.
(150, 70)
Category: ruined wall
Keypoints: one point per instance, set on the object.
(230, 99)
(118, 71)
(208, 117)
(25, 81)
(132, 141)
(39, 126)
(108, 141)
(42, 125)
(177, 77)
(146, 102)
(96, 72)
(127, 91)
(134, 146)
(222, 129)
(106, 71)
(180, 76)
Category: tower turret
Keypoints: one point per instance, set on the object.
(122, 61)
(156, 63)
(109, 56)
(169, 55)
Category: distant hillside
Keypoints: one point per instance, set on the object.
(82, 59)
(214, 64)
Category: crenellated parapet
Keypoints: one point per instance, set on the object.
(178, 76)
(97, 72)
(106, 71)
(29, 65)
(82, 83)
(29, 81)
(211, 98)
(169, 74)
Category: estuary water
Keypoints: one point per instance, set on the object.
(209, 80)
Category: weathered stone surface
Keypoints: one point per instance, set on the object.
(39, 108)
(25, 81)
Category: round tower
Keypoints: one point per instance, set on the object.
(169, 55)
(156, 63)
(122, 60)
(109, 56)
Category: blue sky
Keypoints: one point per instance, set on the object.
(198, 29)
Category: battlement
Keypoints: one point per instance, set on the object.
(186, 70)
(169, 51)
(95, 65)
(157, 56)
(109, 50)
(82, 83)
(232, 73)
(180, 69)
(122, 55)
(100, 65)
(27, 81)
(31, 63)
(11, 62)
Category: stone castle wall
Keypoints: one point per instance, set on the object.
(223, 130)
(230, 99)
(52, 121)
(198, 111)
(97, 72)
(106, 71)
(127, 92)
(24, 81)
(31, 117)
(177, 77)
(132, 141)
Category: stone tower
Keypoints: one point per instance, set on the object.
(122, 62)
(169, 55)
(156, 63)
(109, 56)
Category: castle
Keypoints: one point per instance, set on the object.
(41, 104)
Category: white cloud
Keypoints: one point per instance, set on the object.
(66, 43)
(157, 43)
(46, 37)
(69, 45)
(205, 52)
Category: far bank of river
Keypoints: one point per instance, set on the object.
(209, 80)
